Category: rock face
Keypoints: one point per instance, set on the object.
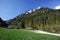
(3, 23)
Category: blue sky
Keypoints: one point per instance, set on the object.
(11, 8)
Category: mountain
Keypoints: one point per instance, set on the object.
(45, 19)
(3, 23)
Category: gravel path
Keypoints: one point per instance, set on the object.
(43, 32)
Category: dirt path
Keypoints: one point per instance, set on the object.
(43, 32)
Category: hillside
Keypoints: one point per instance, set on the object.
(3, 23)
(21, 34)
(45, 19)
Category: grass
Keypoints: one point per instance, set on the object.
(21, 34)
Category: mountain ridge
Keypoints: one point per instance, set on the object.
(45, 19)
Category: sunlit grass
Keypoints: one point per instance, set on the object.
(21, 34)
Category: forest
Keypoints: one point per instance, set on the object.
(45, 19)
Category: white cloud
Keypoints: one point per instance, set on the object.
(57, 7)
(38, 7)
(26, 12)
(33, 10)
(30, 11)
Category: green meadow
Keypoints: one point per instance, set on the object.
(22, 34)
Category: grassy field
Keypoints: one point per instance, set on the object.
(20, 34)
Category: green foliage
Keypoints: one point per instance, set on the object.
(12, 27)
